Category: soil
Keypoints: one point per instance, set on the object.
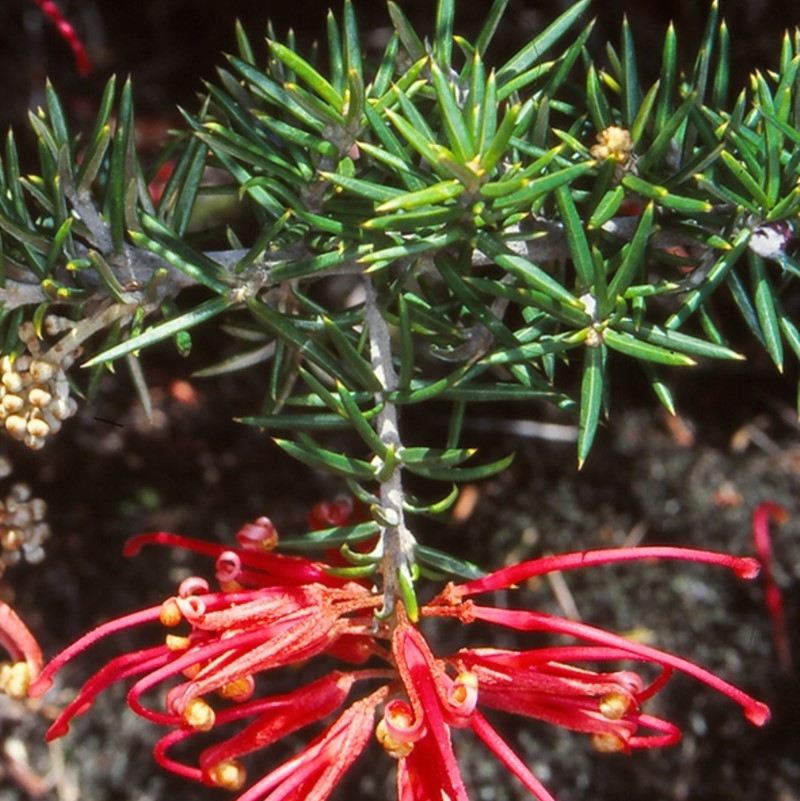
(692, 480)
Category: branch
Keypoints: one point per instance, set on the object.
(398, 541)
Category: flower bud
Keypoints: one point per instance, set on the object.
(12, 403)
(41, 371)
(15, 425)
(12, 381)
(39, 397)
(38, 428)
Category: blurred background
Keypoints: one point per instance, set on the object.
(168, 46)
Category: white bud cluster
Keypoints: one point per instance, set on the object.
(34, 392)
(23, 529)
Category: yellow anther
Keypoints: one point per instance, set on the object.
(607, 743)
(229, 774)
(393, 747)
(176, 643)
(170, 613)
(238, 690)
(466, 685)
(198, 715)
(614, 705)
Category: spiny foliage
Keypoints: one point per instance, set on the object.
(517, 217)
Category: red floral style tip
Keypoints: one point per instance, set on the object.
(82, 60)
(761, 540)
(272, 612)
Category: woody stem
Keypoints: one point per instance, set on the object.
(397, 540)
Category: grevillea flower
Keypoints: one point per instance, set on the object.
(16, 676)
(274, 611)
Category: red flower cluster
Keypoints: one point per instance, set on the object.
(272, 611)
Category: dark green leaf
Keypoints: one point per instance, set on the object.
(450, 565)
(328, 461)
(631, 345)
(157, 333)
(592, 399)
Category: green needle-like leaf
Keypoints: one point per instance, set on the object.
(332, 537)
(454, 126)
(443, 36)
(447, 564)
(462, 473)
(361, 422)
(158, 333)
(631, 92)
(537, 187)
(437, 193)
(668, 79)
(751, 186)
(283, 327)
(539, 45)
(530, 273)
(163, 241)
(765, 309)
(676, 341)
(490, 25)
(308, 75)
(311, 454)
(631, 345)
(633, 258)
(665, 197)
(576, 236)
(405, 30)
(592, 399)
(352, 41)
(500, 139)
(356, 363)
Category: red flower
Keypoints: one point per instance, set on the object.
(274, 611)
(17, 676)
(448, 694)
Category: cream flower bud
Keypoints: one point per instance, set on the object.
(12, 403)
(33, 442)
(38, 428)
(42, 371)
(12, 381)
(15, 425)
(39, 397)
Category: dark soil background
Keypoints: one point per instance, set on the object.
(694, 480)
